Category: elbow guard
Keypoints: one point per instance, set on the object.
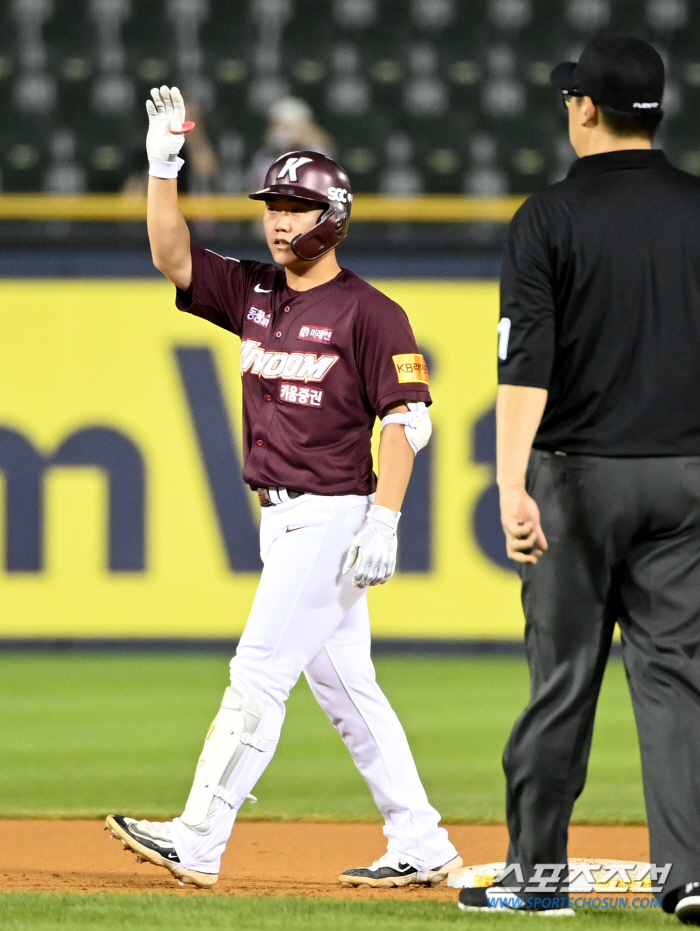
(416, 423)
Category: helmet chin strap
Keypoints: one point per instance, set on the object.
(324, 236)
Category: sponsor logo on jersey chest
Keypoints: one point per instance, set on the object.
(316, 334)
(261, 317)
(300, 394)
(411, 367)
(291, 366)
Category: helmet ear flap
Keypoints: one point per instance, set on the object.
(328, 232)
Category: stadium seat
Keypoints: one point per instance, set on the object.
(418, 95)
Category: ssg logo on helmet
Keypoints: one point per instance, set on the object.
(340, 194)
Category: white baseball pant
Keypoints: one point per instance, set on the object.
(309, 618)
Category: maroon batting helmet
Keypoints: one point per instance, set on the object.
(311, 176)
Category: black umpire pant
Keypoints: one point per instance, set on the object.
(624, 546)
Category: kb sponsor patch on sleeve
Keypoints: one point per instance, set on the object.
(411, 367)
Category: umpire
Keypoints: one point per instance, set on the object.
(599, 400)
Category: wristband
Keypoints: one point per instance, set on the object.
(384, 516)
(159, 168)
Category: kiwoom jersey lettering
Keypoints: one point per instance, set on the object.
(291, 366)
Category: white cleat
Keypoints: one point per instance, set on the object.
(391, 870)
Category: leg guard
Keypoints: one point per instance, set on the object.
(231, 733)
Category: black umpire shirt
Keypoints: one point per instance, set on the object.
(600, 305)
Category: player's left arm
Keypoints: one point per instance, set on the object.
(372, 554)
(406, 429)
(395, 378)
(395, 462)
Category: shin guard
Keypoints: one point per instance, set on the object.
(231, 733)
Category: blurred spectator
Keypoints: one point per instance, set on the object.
(64, 175)
(291, 127)
(198, 173)
(400, 178)
(231, 176)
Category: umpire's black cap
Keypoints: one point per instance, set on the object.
(619, 72)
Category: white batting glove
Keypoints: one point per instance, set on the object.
(373, 549)
(166, 131)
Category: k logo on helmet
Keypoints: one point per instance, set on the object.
(290, 167)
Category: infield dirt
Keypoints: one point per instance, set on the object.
(263, 858)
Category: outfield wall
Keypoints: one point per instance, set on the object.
(123, 509)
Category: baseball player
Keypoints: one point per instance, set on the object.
(322, 355)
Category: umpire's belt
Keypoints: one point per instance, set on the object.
(272, 496)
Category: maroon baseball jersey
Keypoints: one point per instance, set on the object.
(318, 366)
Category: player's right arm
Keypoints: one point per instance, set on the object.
(167, 230)
(168, 233)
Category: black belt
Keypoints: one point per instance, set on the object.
(264, 495)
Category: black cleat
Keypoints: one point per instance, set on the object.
(478, 899)
(688, 906)
(473, 899)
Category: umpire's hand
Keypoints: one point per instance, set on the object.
(520, 518)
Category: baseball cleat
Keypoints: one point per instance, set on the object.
(391, 870)
(688, 906)
(151, 841)
(501, 901)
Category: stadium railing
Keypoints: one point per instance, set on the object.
(429, 208)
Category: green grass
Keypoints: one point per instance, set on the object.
(85, 735)
(46, 912)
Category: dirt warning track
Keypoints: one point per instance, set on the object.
(263, 858)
